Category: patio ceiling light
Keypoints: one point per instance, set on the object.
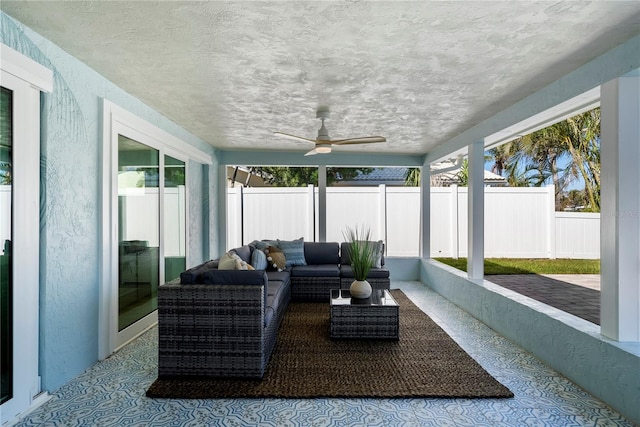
(323, 149)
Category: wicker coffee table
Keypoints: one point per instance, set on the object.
(375, 317)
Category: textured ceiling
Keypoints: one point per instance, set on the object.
(418, 73)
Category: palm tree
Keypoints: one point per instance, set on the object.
(582, 136)
(463, 174)
(412, 177)
(501, 156)
(533, 160)
(542, 150)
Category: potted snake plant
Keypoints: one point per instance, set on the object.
(362, 257)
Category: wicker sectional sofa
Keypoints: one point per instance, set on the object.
(224, 323)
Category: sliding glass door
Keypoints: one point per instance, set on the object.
(138, 231)
(144, 233)
(151, 229)
(21, 83)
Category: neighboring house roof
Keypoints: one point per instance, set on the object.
(396, 176)
(451, 177)
(386, 176)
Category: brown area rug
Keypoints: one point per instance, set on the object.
(306, 363)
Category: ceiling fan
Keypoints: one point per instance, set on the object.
(323, 142)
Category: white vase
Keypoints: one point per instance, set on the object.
(360, 289)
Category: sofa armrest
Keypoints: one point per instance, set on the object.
(193, 274)
(210, 330)
(217, 277)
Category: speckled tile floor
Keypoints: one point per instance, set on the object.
(112, 393)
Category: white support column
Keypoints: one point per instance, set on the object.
(475, 260)
(425, 213)
(455, 220)
(222, 209)
(551, 217)
(382, 214)
(239, 232)
(620, 209)
(311, 210)
(322, 203)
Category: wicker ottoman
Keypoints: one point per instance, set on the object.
(373, 318)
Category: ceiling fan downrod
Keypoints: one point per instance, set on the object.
(323, 133)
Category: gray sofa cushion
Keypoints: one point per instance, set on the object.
(283, 276)
(275, 295)
(192, 275)
(323, 270)
(317, 253)
(374, 273)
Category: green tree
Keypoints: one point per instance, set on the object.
(573, 200)
(279, 176)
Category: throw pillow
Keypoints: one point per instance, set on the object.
(293, 251)
(259, 260)
(240, 264)
(227, 262)
(276, 258)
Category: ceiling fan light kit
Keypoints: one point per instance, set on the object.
(323, 149)
(323, 142)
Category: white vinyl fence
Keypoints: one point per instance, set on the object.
(519, 222)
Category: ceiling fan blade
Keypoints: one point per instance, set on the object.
(360, 140)
(294, 137)
(311, 153)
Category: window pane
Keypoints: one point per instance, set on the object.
(138, 230)
(6, 282)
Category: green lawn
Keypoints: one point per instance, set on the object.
(530, 266)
